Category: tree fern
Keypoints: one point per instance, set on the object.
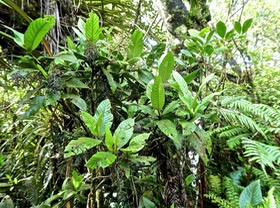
(234, 141)
(244, 120)
(265, 155)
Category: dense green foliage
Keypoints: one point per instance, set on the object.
(112, 120)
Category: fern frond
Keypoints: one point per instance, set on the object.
(232, 191)
(219, 130)
(215, 184)
(243, 120)
(222, 203)
(265, 155)
(234, 141)
(232, 132)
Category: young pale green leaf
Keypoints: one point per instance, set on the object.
(237, 27)
(136, 47)
(102, 159)
(76, 83)
(251, 195)
(77, 180)
(193, 32)
(148, 203)
(104, 117)
(136, 143)
(221, 29)
(90, 122)
(71, 45)
(76, 147)
(169, 129)
(246, 25)
(124, 132)
(36, 31)
(92, 30)
(109, 141)
(157, 94)
(166, 65)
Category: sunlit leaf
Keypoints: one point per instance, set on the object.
(166, 65)
(221, 29)
(136, 143)
(102, 159)
(157, 94)
(246, 25)
(36, 31)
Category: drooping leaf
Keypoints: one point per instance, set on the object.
(166, 65)
(36, 31)
(80, 103)
(124, 132)
(52, 97)
(90, 122)
(157, 94)
(92, 30)
(36, 103)
(76, 83)
(237, 27)
(251, 195)
(109, 141)
(136, 143)
(110, 80)
(102, 159)
(221, 29)
(136, 47)
(18, 36)
(246, 25)
(169, 129)
(76, 147)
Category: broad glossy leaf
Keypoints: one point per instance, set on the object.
(136, 47)
(246, 25)
(148, 203)
(104, 117)
(184, 94)
(146, 160)
(76, 83)
(92, 30)
(171, 107)
(169, 129)
(36, 31)
(80, 103)
(221, 29)
(237, 27)
(102, 159)
(251, 195)
(136, 143)
(124, 132)
(209, 49)
(157, 94)
(51, 98)
(166, 66)
(76, 147)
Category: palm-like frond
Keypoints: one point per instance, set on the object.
(236, 117)
(265, 155)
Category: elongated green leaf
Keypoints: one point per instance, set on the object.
(80, 103)
(184, 94)
(237, 27)
(221, 29)
(157, 94)
(251, 195)
(18, 36)
(124, 132)
(246, 25)
(76, 83)
(109, 141)
(136, 47)
(171, 107)
(110, 80)
(169, 129)
(102, 159)
(36, 31)
(136, 143)
(90, 122)
(76, 147)
(104, 117)
(166, 66)
(92, 30)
